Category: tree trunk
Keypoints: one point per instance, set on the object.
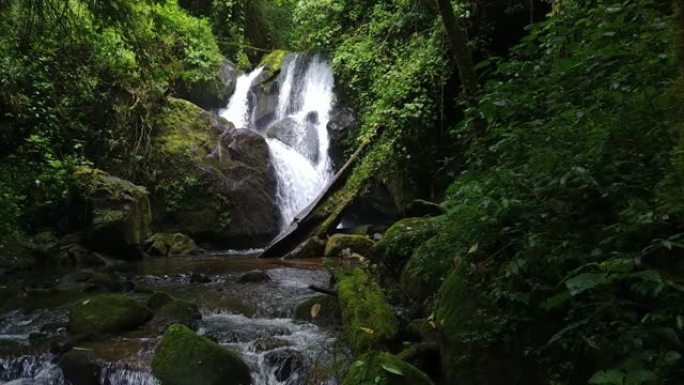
(459, 46)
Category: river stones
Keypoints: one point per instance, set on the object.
(254, 276)
(184, 358)
(311, 248)
(384, 368)
(106, 313)
(320, 310)
(115, 213)
(355, 243)
(80, 367)
(287, 363)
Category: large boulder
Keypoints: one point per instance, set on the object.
(171, 245)
(210, 94)
(184, 358)
(106, 313)
(213, 182)
(169, 310)
(116, 213)
(398, 243)
(355, 243)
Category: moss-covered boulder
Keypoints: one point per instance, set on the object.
(184, 358)
(171, 245)
(272, 63)
(171, 310)
(384, 368)
(355, 243)
(106, 313)
(423, 208)
(115, 213)
(212, 93)
(399, 241)
(212, 182)
(313, 247)
(369, 322)
(321, 310)
(427, 267)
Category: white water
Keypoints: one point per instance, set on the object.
(306, 97)
(237, 111)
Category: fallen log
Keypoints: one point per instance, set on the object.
(309, 220)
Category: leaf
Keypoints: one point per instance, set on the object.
(473, 248)
(608, 377)
(315, 310)
(367, 330)
(392, 369)
(584, 282)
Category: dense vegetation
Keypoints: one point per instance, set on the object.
(559, 258)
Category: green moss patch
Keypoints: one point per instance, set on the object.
(401, 239)
(356, 243)
(107, 313)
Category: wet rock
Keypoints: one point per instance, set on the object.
(170, 310)
(301, 136)
(106, 313)
(311, 248)
(80, 367)
(287, 363)
(171, 245)
(320, 310)
(227, 197)
(342, 121)
(423, 208)
(213, 93)
(36, 338)
(355, 243)
(184, 358)
(254, 276)
(199, 278)
(116, 213)
(268, 344)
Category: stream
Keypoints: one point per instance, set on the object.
(243, 317)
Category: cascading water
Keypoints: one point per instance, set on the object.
(297, 136)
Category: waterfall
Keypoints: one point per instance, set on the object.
(297, 135)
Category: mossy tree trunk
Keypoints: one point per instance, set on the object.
(459, 46)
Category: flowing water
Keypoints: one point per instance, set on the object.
(239, 316)
(299, 148)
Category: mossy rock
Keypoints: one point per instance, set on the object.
(356, 243)
(107, 313)
(80, 367)
(212, 93)
(171, 245)
(214, 183)
(184, 358)
(116, 213)
(170, 310)
(400, 240)
(427, 268)
(320, 310)
(369, 322)
(272, 63)
(384, 368)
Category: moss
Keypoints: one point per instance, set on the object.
(427, 267)
(272, 62)
(328, 313)
(384, 369)
(184, 358)
(167, 244)
(368, 320)
(401, 239)
(357, 243)
(107, 313)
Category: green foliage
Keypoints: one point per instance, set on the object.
(565, 259)
(79, 82)
(384, 369)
